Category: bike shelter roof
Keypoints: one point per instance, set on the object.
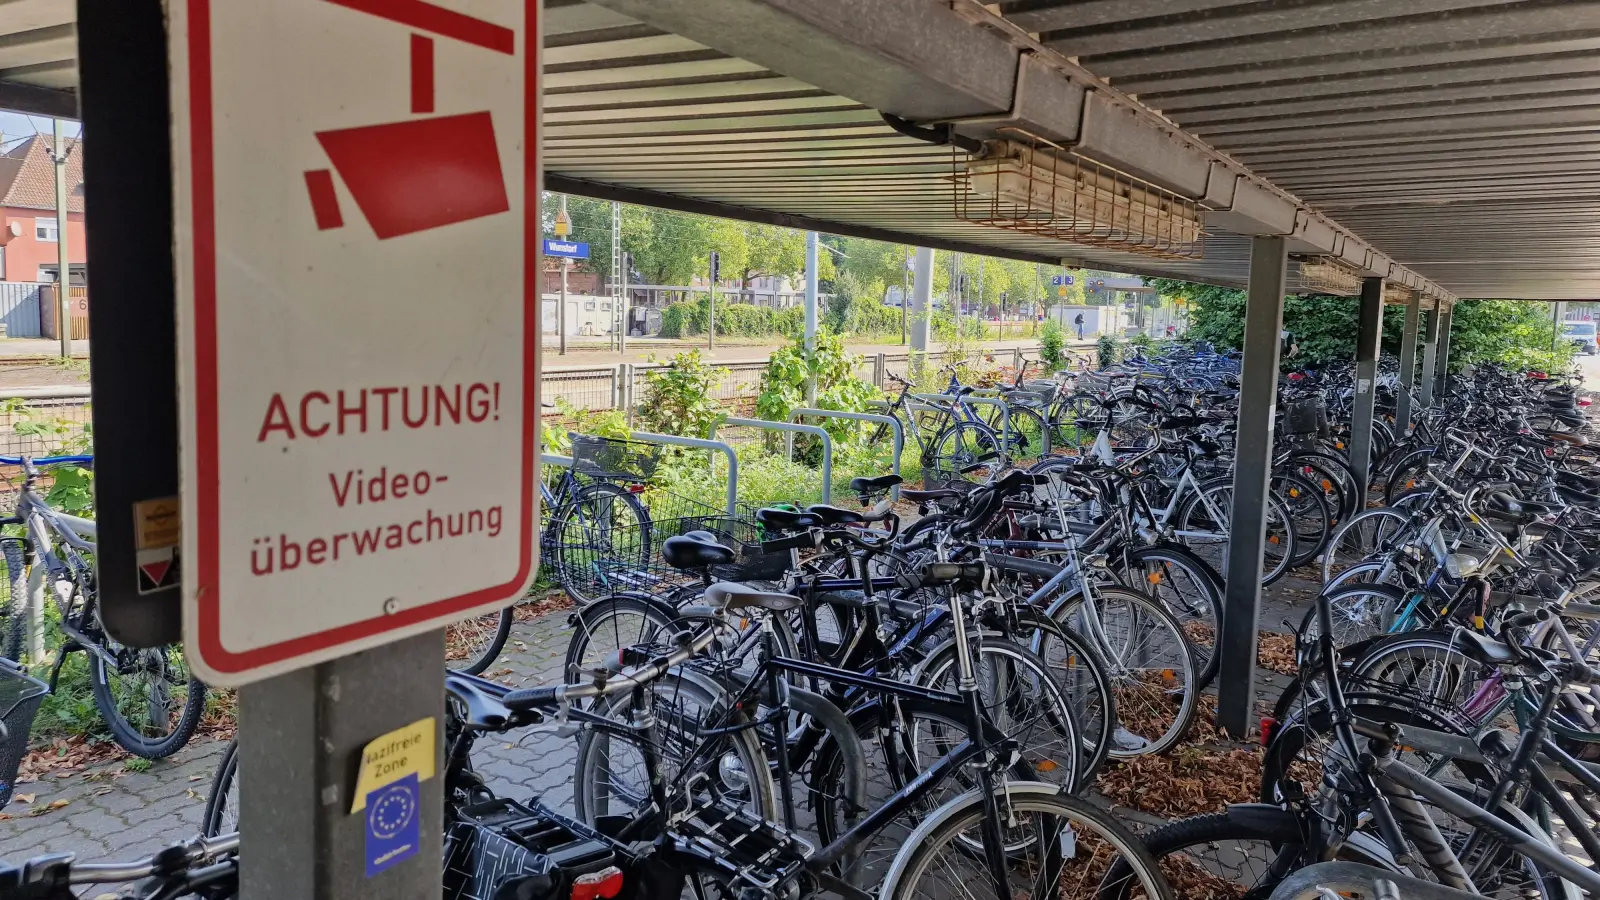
(1451, 146)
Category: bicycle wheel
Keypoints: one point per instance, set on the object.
(1332, 475)
(964, 451)
(222, 804)
(1367, 532)
(1204, 526)
(727, 769)
(147, 697)
(1188, 588)
(1027, 434)
(1056, 846)
(1148, 662)
(601, 525)
(14, 611)
(1075, 421)
(1309, 514)
(1360, 611)
(472, 644)
(1218, 855)
(1022, 699)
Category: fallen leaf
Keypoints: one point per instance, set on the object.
(26, 798)
(197, 777)
(57, 804)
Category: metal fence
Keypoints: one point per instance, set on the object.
(19, 308)
(44, 421)
(622, 385)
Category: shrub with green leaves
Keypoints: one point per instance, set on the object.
(677, 399)
(1052, 346)
(1106, 350)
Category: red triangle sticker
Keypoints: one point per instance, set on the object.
(156, 571)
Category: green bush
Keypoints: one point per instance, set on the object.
(783, 385)
(858, 309)
(677, 399)
(688, 319)
(1052, 346)
(1106, 350)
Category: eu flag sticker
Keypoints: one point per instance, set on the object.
(394, 832)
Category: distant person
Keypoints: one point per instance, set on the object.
(1078, 321)
(1172, 332)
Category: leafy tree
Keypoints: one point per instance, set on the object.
(1515, 333)
(677, 399)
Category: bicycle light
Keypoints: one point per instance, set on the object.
(1462, 565)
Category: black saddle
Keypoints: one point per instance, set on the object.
(786, 520)
(876, 485)
(833, 515)
(692, 551)
(1483, 649)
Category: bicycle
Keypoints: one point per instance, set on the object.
(598, 516)
(149, 699)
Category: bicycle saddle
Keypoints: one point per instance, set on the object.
(876, 485)
(694, 552)
(786, 520)
(833, 515)
(731, 596)
(480, 701)
(1483, 649)
(930, 496)
(1577, 497)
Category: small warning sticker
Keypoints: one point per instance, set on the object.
(158, 568)
(156, 523)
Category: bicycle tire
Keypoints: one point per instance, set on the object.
(497, 627)
(1361, 535)
(1052, 816)
(15, 612)
(1274, 563)
(576, 556)
(965, 451)
(1195, 600)
(221, 814)
(1309, 515)
(1272, 826)
(1135, 684)
(1059, 756)
(124, 732)
(750, 770)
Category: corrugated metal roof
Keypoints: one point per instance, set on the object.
(1460, 137)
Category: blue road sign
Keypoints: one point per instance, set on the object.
(566, 249)
(1055, 280)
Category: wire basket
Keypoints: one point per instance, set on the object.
(594, 560)
(1309, 416)
(601, 457)
(20, 696)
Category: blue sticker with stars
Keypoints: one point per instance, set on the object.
(394, 831)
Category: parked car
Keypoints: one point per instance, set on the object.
(1582, 334)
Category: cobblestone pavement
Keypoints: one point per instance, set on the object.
(111, 813)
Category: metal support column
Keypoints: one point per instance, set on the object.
(921, 309)
(1369, 333)
(561, 305)
(1446, 316)
(1430, 357)
(1408, 366)
(300, 739)
(1258, 398)
(63, 261)
(617, 274)
(811, 313)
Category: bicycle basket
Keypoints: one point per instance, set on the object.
(20, 696)
(600, 457)
(1305, 417)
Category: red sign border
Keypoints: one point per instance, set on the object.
(208, 597)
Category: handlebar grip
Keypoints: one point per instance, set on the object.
(528, 698)
(1531, 617)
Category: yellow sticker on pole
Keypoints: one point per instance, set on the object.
(388, 758)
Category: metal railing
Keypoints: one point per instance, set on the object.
(792, 429)
(894, 425)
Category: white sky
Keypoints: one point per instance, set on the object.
(15, 125)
